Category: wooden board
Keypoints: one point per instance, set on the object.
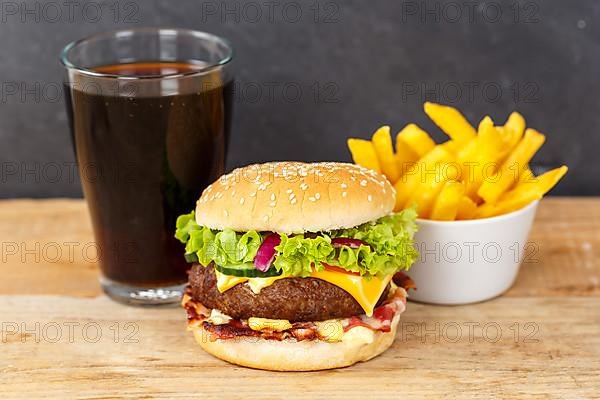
(61, 339)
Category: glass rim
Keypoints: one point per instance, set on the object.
(64, 59)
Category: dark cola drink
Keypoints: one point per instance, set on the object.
(143, 161)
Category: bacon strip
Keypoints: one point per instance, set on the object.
(402, 280)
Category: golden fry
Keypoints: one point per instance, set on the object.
(523, 194)
(537, 186)
(516, 162)
(490, 141)
(363, 153)
(466, 208)
(448, 202)
(526, 176)
(486, 210)
(549, 179)
(416, 138)
(508, 204)
(405, 157)
(478, 159)
(513, 129)
(491, 144)
(417, 172)
(411, 144)
(451, 146)
(470, 153)
(382, 142)
(451, 121)
(484, 124)
(426, 192)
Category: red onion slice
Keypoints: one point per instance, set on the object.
(352, 243)
(266, 252)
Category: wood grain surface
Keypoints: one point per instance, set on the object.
(60, 338)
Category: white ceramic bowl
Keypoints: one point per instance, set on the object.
(469, 261)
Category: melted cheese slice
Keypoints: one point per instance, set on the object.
(365, 292)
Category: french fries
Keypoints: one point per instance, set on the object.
(363, 153)
(416, 139)
(448, 202)
(513, 129)
(414, 172)
(451, 121)
(467, 208)
(516, 162)
(480, 156)
(382, 142)
(475, 174)
(426, 193)
(405, 156)
(523, 194)
(526, 176)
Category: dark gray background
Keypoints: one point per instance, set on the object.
(359, 64)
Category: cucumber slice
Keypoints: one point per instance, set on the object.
(246, 270)
(191, 257)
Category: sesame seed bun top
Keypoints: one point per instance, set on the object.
(295, 197)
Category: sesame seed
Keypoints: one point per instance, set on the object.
(317, 196)
(363, 183)
(289, 191)
(273, 196)
(292, 195)
(272, 204)
(253, 194)
(226, 213)
(232, 193)
(312, 198)
(344, 194)
(242, 200)
(303, 186)
(293, 201)
(266, 218)
(370, 198)
(344, 186)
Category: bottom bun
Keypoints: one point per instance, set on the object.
(292, 355)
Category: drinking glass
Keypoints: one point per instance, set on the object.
(149, 112)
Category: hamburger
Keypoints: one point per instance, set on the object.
(297, 266)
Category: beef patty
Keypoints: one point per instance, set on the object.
(294, 299)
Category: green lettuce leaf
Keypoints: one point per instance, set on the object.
(389, 246)
(225, 248)
(296, 255)
(184, 225)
